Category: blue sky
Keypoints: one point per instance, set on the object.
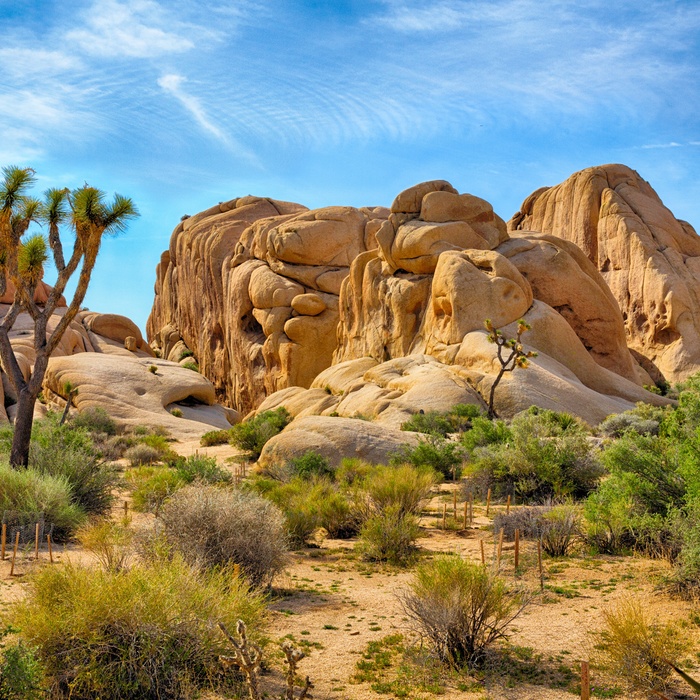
(185, 103)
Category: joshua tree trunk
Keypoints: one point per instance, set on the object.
(19, 456)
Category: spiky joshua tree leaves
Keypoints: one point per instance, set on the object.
(510, 353)
(86, 213)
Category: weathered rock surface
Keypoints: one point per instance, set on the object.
(251, 289)
(335, 438)
(374, 313)
(649, 260)
(105, 357)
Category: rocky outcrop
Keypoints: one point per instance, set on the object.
(335, 438)
(379, 313)
(251, 289)
(105, 358)
(648, 259)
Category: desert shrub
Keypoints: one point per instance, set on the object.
(389, 536)
(685, 577)
(558, 526)
(636, 650)
(141, 454)
(528, 520)
(201, 468)
(29, 491)
(546, 455)
(146, 632)
(109, 542)
(432, 423)
(462, 607)
(215, 437)
(161, 443)
(251, 435)
(191, 365)
(403, 487)
(485, 431)
(352, 470)
(152, 486)
(307, 505)
(458, 419)
(211, 526)
(340, 517)
(95, 420)
(21, 675)
(90, 479)
(113, 447)
(442, 456)
(310, 464)
(560, 529)
(618, 424)
(176, 412)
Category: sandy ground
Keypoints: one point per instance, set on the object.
(333, 605)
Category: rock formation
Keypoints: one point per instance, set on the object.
(649, 260)
(380, 313)
(106, 358)
(251, 287)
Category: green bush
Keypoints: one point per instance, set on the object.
(201, 468)
(251, 435)
(142, 454)
(95, 420)
(210, 526)
(561, 528)
(21, 675)
(618, 424)
(29, 491)
(404, 487)
(389, 536)
(91, 480)
(462, 607)
(300, 500)
(152, 486)
(215, 437)
(541, 455)
(148, 632)
(310, 464)
(456, 420)
(440, 455)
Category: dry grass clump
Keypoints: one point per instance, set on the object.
(108, 541)
(637, 651)
(462, 607)
(210, 526)
(389, 536)
(141, 454)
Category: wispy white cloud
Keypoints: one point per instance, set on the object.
(27, 62)
(172, 84)
(129, 28)
(671, 144)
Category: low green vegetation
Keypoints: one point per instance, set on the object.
(251, 435)
(149, 631)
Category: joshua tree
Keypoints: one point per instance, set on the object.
(517, 357)
(83, 210)
(71, 392)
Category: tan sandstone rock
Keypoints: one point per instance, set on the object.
(649, 259)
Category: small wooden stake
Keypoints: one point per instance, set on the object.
(517, 549)
(483, 555)
(471, 509)
(14, 554)
(500, 549)
(466, 514)
(585, 681)
(508, 505)
(444, 516)
(48, 541)
(539, 563)
(126, 509)
(454, 504)
(488, 502)
(3, 541)
(36, 541)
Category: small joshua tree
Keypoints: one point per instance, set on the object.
(517, 357)
(71, 392)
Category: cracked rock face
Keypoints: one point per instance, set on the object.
(649, 260)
